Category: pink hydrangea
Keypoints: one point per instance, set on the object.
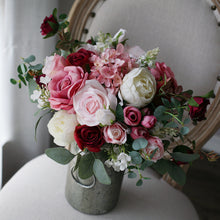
(111, 66)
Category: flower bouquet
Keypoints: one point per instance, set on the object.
(108, 97)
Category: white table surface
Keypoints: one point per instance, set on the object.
(36, 191)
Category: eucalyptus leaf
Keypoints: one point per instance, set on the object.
(166, 102)
(135, 157)
(177, 173)
(22, 79)
(13, 81)
(184, 130)
(139, 182)
(100, 172)
(161, 166)
(139, 144)
(77, 161)
(187, 121)
(145, 164)
(175, 102)
(132, 175)
(184, 157)
(60, 155)
(22, 68)
(29, 59)
(86, 166)
(171, 124)
(38, 66)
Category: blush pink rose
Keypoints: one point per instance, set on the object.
(53, 64)
(132, 116)
(149, 121)
(63, 87)
(91, 98)
(139, 132)
(115, 134)
(153, 144)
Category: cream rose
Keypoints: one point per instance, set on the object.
(138, 87)
(62, 126)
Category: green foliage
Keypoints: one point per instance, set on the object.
(139, 182)
(100, 172)
(145, 164)
(210, 94)
(184, 130)
(161, 113)
(192, 102)
(132, 175)
(184, 157)
(119, 113)
(77, 162)
(139, 144)
(29, 59)
(135, 157)
(60, 155)
(86, 166)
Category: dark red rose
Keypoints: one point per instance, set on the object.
(198, 113)
(80, 58)
(42, 85)
(89, 137)
(46, 27)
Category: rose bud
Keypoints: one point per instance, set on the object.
(149, 121)
(49, 26)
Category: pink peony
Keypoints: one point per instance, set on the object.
(115, 134)
(63, 87)
(153, 144)
(91, 98)
(149, 121)
(53, 64)
(139, 132)
(132, 116)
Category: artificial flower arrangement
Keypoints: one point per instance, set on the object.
(111, 98)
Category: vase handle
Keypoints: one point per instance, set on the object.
(77, 180)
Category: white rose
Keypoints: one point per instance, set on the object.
(62, 126)
(138, 87)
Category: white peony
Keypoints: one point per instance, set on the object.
(62, 126)
(138, 87)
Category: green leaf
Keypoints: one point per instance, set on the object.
(161, 166)
(100, 172)
(184, 130)
(13, 81)
(86, 166)
(210, 94)
(139, 182)
(119, 113)
(22, 79)
(19, 85)
(60, 155)
(77, 161)
(32, 85)
(54, 26)
(160, 113)
(135, 157)
(132, 175)
(139, 143)
(54, 13)
(166, 102)
(29, 59)
(145, 164)
(38, 66)
(176, 173)
(22, 68)
(184, 157)
(153, 153)
(62, 16)
(182, 149)
(192, 102)
(180, 113)
(171, 124)
(175, 102)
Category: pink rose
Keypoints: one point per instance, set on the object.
(139, 132)
(53, 64)
(91, 98)
(153, 144)
(132, 116)
(115, 134)
(149, 121)
(164, 76)
(63, 87)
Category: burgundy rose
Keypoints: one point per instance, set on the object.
(80, 58)
(89, 137)
(132, 116)
(42, 85)
(198, 113)
(139, 132)
(47, 28)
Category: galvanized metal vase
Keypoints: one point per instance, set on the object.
(88, 195)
